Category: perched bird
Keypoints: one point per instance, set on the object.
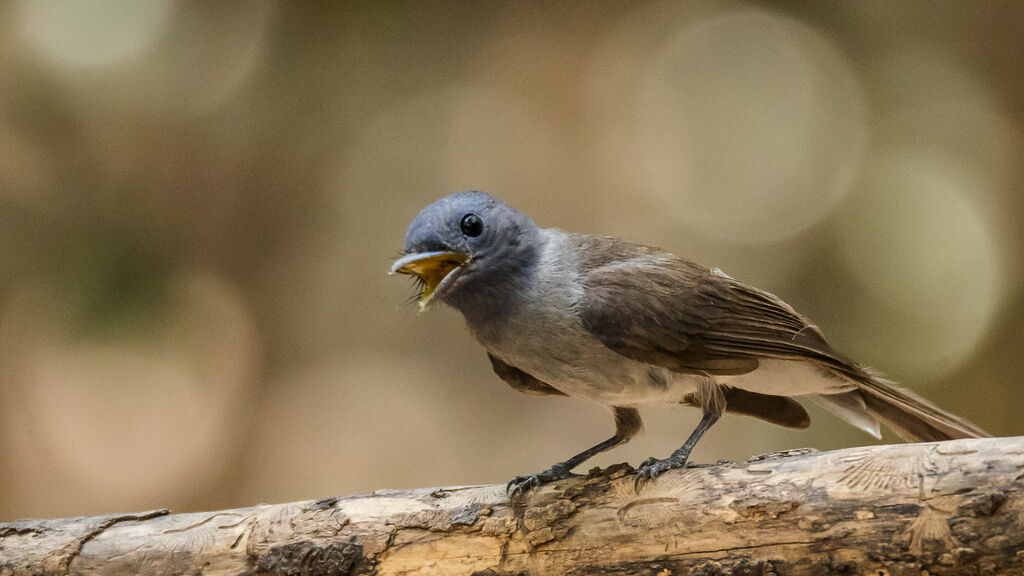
(622, 324)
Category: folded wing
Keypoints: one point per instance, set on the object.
(658, 308)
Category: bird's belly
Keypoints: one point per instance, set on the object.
(581, 366)
(788, 378)
(615, 384)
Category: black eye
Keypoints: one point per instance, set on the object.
(471, 225)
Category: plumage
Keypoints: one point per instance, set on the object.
(520, 380)
(778, 410)
(660, 308)
(849, 406)
(624, 324)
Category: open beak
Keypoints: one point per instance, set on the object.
(435, 269)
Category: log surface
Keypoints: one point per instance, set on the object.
(937, 508)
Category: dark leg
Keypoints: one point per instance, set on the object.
(652, 467)
(627, 424)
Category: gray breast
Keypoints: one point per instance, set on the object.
(541, 334)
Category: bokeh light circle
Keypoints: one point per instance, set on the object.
(926, 255)
(88, 33)
(752, 126)
(141, 407)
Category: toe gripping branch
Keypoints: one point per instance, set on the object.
(627, 425)
(653, 467)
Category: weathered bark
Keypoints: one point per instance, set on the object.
(947, 508)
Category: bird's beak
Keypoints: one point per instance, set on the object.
(435, 269)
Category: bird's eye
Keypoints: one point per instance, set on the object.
(471, 225)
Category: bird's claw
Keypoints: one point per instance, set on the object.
(653, 467)
(522, 484)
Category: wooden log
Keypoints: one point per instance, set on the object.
(937, 508)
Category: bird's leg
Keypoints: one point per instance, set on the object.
(627, 424)
(652, 467)
(522, 484)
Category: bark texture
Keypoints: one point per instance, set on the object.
(938, 508)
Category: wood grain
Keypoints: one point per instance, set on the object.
(938, 508)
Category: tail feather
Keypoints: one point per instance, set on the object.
(912, 417)
(850, 406)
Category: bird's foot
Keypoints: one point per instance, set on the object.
(653, 467)
(523, 484)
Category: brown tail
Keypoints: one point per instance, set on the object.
(909, 415)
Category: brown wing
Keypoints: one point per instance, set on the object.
(520, 380)
(655, 307)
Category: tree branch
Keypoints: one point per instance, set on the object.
(948, 508)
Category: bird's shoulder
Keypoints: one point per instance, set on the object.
(596, 252)
(610, 268)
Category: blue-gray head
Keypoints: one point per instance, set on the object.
(466, 247)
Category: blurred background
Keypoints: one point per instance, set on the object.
(199, 203)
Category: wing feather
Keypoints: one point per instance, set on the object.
(520, 380)
(655, 307)
(662, 309)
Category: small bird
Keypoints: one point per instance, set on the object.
(622, 324)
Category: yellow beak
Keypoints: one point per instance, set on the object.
(433, 268)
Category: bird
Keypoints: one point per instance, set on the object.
(625, 325)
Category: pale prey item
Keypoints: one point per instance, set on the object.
(622, 324)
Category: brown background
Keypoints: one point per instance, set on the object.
(199, 203)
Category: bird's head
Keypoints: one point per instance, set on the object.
(466, 242)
